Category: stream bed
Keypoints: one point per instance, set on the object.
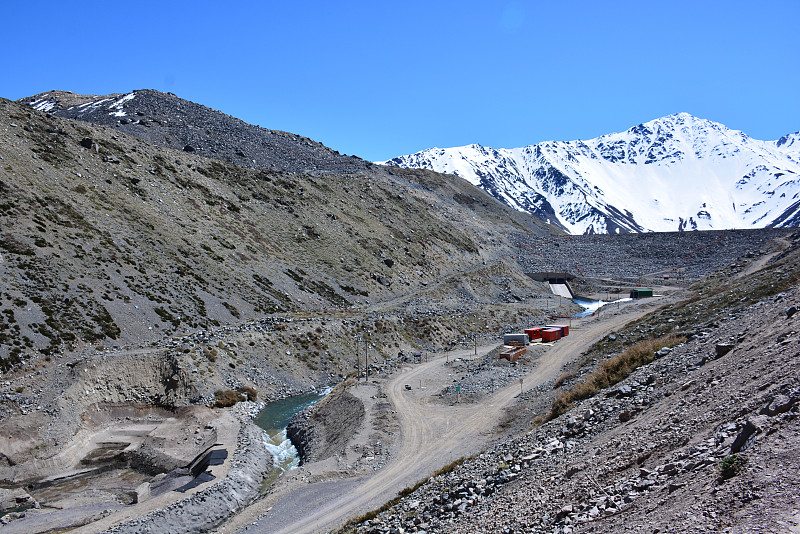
(274, 419)
(590, 306)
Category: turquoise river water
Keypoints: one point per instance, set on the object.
(274, 418)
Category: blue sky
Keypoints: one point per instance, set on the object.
(381, 79)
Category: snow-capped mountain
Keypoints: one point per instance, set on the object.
(674, 173)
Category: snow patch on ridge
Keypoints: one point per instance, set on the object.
(118, 105)
(43, 105)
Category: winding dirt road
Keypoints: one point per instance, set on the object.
(431, 434)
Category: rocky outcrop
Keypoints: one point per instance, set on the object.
(321, 430)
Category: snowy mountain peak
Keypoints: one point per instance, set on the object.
(790, 142)
(678, 172)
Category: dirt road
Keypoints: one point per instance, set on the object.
(432, 434)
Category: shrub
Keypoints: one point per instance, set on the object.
(730, 466)
(227, 398)
(250, 393)
(611, 371)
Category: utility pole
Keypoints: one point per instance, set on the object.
(366, 360)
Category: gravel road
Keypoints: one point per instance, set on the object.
(431, 434)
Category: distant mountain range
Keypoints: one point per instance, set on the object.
(670, 174)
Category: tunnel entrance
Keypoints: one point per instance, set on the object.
(558, 280)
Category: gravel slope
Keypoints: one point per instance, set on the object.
(647, 454)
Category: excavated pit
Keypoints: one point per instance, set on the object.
(120, 455)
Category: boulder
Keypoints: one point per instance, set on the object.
(142, 492)
(723, 348)
(780, 404)
(752, 426)
(87, 142)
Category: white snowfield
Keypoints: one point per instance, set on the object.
(674, 173)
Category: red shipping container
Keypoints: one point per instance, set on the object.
(551, 334)
(563, 327)
(534, 333)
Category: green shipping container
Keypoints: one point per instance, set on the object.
(641, 293)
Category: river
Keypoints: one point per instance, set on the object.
(590, 306)
(274, 419)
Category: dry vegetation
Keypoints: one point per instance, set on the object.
(611, 371)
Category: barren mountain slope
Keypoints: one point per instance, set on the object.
(163, 119)
(108, 238)
(136, 281)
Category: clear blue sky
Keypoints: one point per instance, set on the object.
(381, 79)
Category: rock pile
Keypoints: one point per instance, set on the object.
(321, 430)
(628, 257)
(477, 378)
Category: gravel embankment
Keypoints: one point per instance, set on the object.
(637, 258)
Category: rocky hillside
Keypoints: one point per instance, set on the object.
(138, 283)
(142, 282)
(703, 437)
(671, 174)
(107, 239)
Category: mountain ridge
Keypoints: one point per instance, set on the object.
(674, 173)
(166, 120)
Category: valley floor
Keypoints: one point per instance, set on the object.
(431, 434)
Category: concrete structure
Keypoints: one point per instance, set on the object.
(521, 338)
